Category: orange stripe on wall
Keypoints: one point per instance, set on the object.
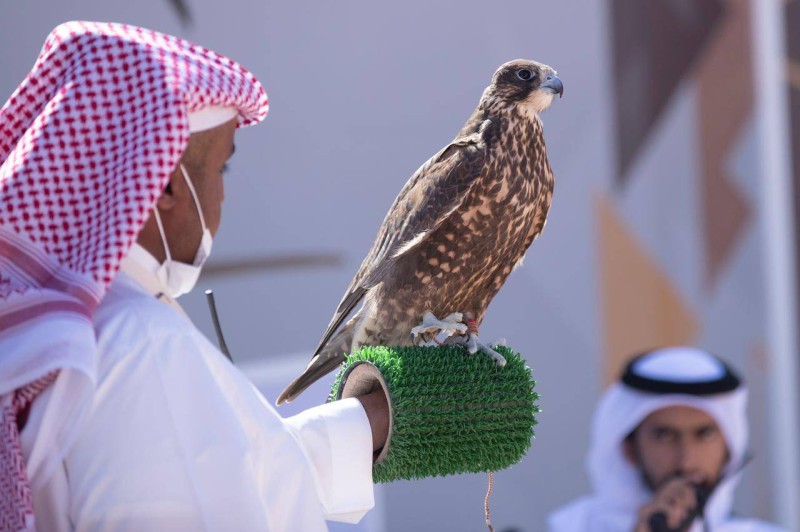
(640, 307)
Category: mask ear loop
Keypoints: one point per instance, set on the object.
(163, 235)
(194, 196)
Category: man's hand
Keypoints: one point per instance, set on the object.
(377, 408)
(677, 500)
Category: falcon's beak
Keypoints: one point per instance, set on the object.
(553, 84)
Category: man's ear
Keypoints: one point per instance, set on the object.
(167, 201)
(630, 451)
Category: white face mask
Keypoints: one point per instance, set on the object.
(176, 277)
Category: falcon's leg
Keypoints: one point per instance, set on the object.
(458, 329)
(474, 344)
(432, 327)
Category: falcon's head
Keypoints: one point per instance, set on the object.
(525, 84)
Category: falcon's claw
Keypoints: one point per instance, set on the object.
(450, 325)
(474, 344)
(499, 359)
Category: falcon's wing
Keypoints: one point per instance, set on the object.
(434, 192)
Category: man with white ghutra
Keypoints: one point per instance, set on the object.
(668, 444)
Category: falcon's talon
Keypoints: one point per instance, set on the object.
(474, 344)
(455, 317)
(497, 357)
(465, 340)
(450, 325)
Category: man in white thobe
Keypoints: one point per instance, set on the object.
(126, 417)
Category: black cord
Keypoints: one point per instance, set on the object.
(217, 327)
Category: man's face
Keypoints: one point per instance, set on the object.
(678, 441)
(204, 159)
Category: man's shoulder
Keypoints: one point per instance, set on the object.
(741, 524)
(571, 516)
(133, 327)
(130, 313)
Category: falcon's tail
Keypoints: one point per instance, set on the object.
(331, 356)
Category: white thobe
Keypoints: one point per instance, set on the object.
(591, 514)
(179, 439)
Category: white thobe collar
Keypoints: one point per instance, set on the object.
(141, 266)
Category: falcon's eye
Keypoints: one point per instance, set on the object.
(524, 74)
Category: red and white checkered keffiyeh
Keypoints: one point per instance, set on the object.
(87, 143)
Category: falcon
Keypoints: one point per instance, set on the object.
(455, 232)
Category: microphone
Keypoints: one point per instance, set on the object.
(658, 521)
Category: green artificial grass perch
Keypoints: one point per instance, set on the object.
(451, 412)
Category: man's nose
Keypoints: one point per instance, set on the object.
(689, 459)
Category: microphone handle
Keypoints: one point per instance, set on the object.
(658, 521)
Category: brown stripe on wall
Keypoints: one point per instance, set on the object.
(724, 104)
(654, 45)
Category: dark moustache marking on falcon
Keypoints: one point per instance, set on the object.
(459, 226)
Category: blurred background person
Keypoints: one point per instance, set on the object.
(668, 444)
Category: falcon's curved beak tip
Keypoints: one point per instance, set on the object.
(553, 84)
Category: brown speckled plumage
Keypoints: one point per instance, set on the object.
(459, 226)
